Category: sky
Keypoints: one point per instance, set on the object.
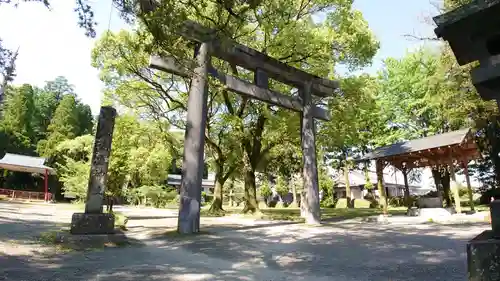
(51, 43)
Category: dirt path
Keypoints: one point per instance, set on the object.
(241, 250)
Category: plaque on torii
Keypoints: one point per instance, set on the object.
(209, 44)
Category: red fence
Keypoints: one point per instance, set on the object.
(22, 194)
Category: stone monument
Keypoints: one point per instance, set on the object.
(93, 220)
(473, 32)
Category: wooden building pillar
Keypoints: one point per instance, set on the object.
(465, 164)
(454, 187)
(310, 205)
(46, 185)
(380, 186)
(194, 142)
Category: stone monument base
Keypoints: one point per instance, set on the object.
(92, 241)
(428, 213)
(83, 223)
(483, 257)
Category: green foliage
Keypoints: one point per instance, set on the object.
(75, 177)
(341, 203)
(17, 117)
(358, 203)
(265, 190)
(156, 196)
(246, 136)
(63, 126)
(326, 184)
(139, 162)
(38, 118)
(282, 187)
(463, 191)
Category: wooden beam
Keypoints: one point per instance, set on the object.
(242, 87)
(251, 59)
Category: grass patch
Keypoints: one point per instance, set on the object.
(173, 234)
(120, 220)
(80, 206)
(51, 238)
(293, 214)
(65, 242)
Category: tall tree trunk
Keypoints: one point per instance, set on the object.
(347, 185)
(454, 186)
(436, 175)
(380, 186)
(252, 155)
(251, 204)
(294, 194)
(231, 192)
(469, 187)
(216, 206)
(445, 181)
(407, 188)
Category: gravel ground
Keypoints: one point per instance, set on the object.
(236, 249)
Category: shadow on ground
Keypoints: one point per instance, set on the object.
(276, 251)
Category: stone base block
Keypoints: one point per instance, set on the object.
(483, 257)
(83, 223)
(430, 213)
(495, 218)
(91, 241)
(429, 202)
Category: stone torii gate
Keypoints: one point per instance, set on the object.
(264, 67)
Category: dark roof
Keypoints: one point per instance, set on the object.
(435, 141)
(23, 163)
(462, 12)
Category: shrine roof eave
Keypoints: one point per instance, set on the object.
(451, 144)
(470, 11)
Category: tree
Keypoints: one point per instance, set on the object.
(355, 126)
(7, 69)
(59, 87)
(16, 122)
(63, 126)
(283, 29)
(138, 160)
(83, 9)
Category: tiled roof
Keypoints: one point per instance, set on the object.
(441, 140)
(24, 163)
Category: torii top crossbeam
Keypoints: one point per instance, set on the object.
(251, 59)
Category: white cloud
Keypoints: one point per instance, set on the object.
(51, 44)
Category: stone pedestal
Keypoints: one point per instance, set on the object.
(495, 218)
(429, 202)
(483, 257)
(83, 223)
(430, 213)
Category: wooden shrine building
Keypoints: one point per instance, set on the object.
(452, 149)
